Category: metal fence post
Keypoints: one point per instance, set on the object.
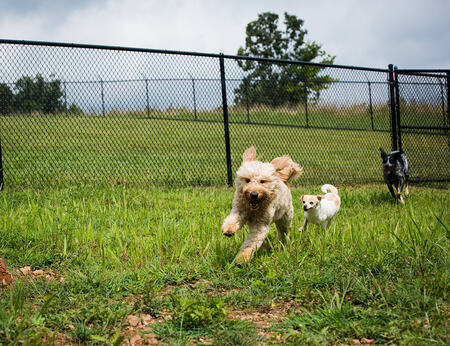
(448, 100)
(193, 97)
(392, 106)
(247, 103)
(370, 105)
(306, 103)
(397, 109)
(306, 110)
(444, 116)
(1, 166)
(146, 98)
(225, 119)
(65, 97)
(103, 97)
(448, 109)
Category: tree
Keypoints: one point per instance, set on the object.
(37, 94)
(279, 84)
(6, 99)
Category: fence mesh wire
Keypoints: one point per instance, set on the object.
(424, 123)
(73, 113)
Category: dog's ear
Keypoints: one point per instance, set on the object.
(319, 197)
(383, 154)
(286, 169)
(249, 154)
(397, 155)
(301, 198)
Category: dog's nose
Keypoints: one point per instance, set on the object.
(253, 195)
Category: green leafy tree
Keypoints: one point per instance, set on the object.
(38, 95)
(6, 99)
(279, 84)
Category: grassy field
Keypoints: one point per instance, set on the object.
(121, 262)
(48, 149)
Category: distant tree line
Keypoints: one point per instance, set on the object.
(33, 94)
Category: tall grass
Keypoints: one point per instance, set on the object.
(380, 272)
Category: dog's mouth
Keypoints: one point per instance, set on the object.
(254, 204)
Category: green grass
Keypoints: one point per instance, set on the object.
(47, 149)
(380, 272)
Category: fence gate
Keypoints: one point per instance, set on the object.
(422, 117)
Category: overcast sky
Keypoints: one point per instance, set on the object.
(407, 33)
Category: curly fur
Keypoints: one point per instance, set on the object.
(262, 197)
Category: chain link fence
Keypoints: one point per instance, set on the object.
(72, 113)
(423, 120)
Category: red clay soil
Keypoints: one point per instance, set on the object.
(5, 276)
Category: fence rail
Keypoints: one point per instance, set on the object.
(74, 112)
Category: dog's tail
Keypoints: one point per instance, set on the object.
(328, 188)
(286, 169)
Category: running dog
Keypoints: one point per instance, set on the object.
(396, 172)
(320, 209)
(262, 197)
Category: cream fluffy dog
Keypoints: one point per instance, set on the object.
(321, 209)
(262, 197)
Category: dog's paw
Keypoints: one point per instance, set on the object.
(243, 257)
(229, 229)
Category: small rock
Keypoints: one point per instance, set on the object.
(38, 272)
(147, 319)
(133, 320)
(366, 341)
(26, 270)
(134, 339)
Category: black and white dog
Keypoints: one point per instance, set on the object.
(396, 172)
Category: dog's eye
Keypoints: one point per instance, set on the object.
(247, 180)
(262, 181)
(311, 203)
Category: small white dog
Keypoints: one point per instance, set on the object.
(262, 197)
(321, 209)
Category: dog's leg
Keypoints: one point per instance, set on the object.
(329, 223)
(255, 238)
(232, 224)
(391, 190)
(303, 228)
(399, 192)
(283, 228)
(406, 188)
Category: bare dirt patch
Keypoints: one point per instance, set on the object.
(138, 330)
(264, 317)
(40, 273)
(7, 277)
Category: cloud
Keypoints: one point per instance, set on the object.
(414, 33)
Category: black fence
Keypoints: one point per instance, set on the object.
(72, 113)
